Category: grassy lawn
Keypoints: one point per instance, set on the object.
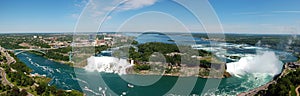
(293, 92)
(31, 89)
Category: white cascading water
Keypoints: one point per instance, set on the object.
(264, 62)
(107, 64)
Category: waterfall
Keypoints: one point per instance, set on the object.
(107, 64)
(264, 62)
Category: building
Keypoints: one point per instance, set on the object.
(293, 65)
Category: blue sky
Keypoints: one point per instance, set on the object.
(236, 16)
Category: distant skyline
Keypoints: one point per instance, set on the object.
(236, 16)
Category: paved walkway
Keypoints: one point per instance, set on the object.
(10, 60)
(4, 79)
(254, 91)
(296, 90)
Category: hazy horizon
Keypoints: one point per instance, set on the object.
(147, 32)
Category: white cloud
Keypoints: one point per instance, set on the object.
(269, 13)
(75, 16)
(246, 13)
(286, 11)
(108, 17)
(254, 13)
(101, 7)
(96, 10)
(80, 3)
(263, 28)
(136, 4)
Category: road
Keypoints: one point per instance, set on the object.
(10, 60)
(296, 90)
(6, 82)
(4, 79)
(254, 91)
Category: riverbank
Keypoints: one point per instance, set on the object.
(56, 60)
(63, 75)
(202, 72)
(180, 71)
(122, 66)
(226, 75)
(31, 85)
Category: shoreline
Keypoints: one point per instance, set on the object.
(252, 91)
(225, 74)
(168, 75)
(247, 93)
(36, 77)
(265, 86)
(59, 61)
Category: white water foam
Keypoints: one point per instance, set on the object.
(107, 64)
(265, 62)
(77, 79)
(90, 90)
(57, 70)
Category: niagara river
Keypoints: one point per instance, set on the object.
(250, 71)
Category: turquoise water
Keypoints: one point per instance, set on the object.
(64, 77)
(99, 83)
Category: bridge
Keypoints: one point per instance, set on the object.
(41, 50)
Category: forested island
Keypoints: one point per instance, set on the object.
(200, 61)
